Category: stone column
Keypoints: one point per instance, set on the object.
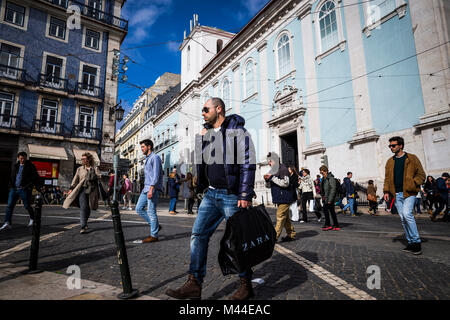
(264, 136)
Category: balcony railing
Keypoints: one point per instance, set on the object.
(80, 131)
(131, 148)
(50, 127)
(94, 13)
(53, 82)
(11, 73)
(8, 121)
(88, 90)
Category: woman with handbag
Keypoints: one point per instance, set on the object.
(83, 191)
(308, 188)
(372, 197)
(293, 181)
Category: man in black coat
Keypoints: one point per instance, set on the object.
(23, 177)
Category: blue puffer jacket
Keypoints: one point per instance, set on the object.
(240, 172)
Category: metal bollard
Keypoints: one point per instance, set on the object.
(34, 250)
(128, 291)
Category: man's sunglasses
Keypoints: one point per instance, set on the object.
(206, 110)
(393, 145)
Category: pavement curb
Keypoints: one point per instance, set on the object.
(52, 286)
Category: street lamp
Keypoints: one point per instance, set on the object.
(118, 111)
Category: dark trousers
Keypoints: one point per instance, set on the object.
(85, 210)
(327, 210)
(373, 206)
(307, 196)
(191, 202)
(14, 194)
(440, 205)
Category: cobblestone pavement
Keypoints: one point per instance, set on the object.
(318, 265)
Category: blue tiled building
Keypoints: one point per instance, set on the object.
(54, 67)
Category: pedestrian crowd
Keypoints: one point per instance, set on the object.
(222, 189)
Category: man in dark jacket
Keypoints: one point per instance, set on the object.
(23, 178)
(441, 197)
(328, 188)
(349, 194)
(226, 166)
(282, 195)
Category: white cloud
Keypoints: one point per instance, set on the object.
(141, 16)
(173, 46)
(253, 6)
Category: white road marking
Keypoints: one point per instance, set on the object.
(338, 283)
(26, 244)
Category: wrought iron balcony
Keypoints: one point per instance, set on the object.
(94, 13)
(11, 73)
(9, 122)
(89, 90)
(49, 127)
(80, 131)
(53, 82)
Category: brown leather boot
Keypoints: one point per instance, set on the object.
(191, 289)
(245, 290)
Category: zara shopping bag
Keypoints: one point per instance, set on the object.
(249, 239)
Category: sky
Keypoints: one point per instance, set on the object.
(155, 32)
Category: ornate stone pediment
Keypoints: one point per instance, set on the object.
(286, 105)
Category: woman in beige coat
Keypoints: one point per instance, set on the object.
(83, 191)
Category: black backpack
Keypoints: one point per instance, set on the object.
(340, 189)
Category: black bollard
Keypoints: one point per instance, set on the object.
(36, 234)
(128, 291)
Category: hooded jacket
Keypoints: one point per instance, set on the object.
(238, 148)
(283, 192)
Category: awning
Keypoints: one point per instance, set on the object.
(78, 153)
(46, 152)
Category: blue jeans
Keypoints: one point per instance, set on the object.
(14, 194)
(150, 214)
(405, 207)
(350, 204)
(215, 206)
(417, 205)
(172, 203)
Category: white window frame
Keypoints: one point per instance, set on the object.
(100, 41)
(21, 54)
(47, 97)
(25, 19)
(47, 30)
(254, 91)
(341, 43)
(78, 114)
(12, 112)
(371, 24)
(291, 54)
(44, 64)
(97, 77)
(226, 100)
(57, 116)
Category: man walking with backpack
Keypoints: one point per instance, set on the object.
(349, 194)
(403, 177)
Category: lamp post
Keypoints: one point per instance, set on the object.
(128, 291)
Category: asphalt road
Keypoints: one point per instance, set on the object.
(317, 266)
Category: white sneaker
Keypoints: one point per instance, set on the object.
(30, 224)
(301, 221)
(124, 208)
(130, 209)
(6, 226)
